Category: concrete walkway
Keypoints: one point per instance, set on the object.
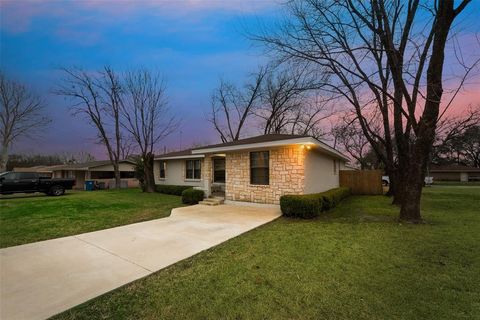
(41, 279)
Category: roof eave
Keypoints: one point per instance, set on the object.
(191, 156)
(278, 143)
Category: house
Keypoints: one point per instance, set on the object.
(454, 173)
(259, 169)
(46, 171)
(99, 171)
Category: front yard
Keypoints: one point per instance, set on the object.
(355, 262)
(31, 218)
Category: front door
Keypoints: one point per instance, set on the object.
(218, 185)
(219, 170)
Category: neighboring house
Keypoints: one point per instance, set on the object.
(259, 169)
(454, 173)
(46, 171)
(99, 171)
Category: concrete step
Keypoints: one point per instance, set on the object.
(212, 201)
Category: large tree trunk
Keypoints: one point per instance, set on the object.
(418, 154)
(116, 172)
(4, 158)
(412, 192)
(399, 187)
(148, 171)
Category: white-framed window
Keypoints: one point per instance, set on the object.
(193, 169)
(335, 167)
(163, 168)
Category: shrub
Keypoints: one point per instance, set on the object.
(300, 206)
(192, 196)
(170, 189)
(310, 205)
(332, 198)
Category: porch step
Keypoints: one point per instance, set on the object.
(212, 201)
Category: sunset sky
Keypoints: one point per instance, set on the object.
(193, 43)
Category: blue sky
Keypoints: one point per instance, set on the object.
(192, 42)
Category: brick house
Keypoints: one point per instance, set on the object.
(259, 169)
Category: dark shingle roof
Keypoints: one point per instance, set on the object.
(87, 165)
(257, 139)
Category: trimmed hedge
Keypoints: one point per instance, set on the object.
(310, 205)
(171, 189)
(192, 196)
(333, 197)
(300, 206)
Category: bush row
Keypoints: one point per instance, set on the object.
(192, 196)
(170, 189)
(310, 205)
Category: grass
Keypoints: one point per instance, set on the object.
(456, 183)
(25, 219)
(356, 262)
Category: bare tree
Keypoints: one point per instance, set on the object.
(384, 58)
(290, 104)
(76, 157)
(22, 114)
(457, 139)
(349, 137)
(231, 107)
(97, 96)
(147, 117)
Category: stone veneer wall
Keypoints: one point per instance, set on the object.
(286, 176)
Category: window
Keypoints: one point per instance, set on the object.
(27, 175)
(102, 175)
(335, 167)
(193, 169)
(9, 176)
(219, 170)
(163, 166)
(259, 168)
(127, 174)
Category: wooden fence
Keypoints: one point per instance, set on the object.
(362, 181)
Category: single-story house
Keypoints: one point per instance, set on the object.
(454, 173)
(99, 171)
(46, 171)
(259, 169)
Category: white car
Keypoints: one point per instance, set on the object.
(386, 180)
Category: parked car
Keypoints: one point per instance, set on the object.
(427, 181)
(30, 182)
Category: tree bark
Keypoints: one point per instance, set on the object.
(412, 191)
(4, 158)
(148, 171)
(118, 180)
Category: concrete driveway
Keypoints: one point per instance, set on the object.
(41, 279)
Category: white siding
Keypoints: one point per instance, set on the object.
(175, 174)
(319, 172)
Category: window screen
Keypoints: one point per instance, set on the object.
(193, 169)
(259, 168)
(163, 165)
(219, 170)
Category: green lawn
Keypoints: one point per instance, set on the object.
(25, 219)
(356, 262)
(456, 183)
